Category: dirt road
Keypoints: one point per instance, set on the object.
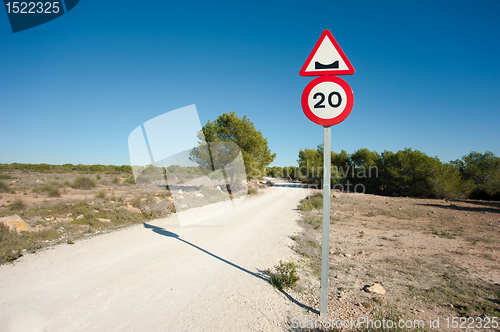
(161, 277)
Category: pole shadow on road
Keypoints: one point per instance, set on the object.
(261, 275)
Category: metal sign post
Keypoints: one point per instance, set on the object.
(325, 245)
(326, 101)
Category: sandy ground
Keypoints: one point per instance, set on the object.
(434, 258)
(161, 277)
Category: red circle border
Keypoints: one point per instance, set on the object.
(339, 118)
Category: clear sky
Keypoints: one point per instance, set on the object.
(427, 75)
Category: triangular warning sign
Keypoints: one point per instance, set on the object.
(326, 58)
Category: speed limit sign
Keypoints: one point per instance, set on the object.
(327, 100)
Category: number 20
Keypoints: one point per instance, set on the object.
(319, 104)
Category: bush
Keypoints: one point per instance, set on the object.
(101, 194)
(18, 205)
(4, 188)
(83, 183)
(129, 180)
(51, 189)
(252, 191)
(311, 202)
(5, 177)
(154, 208)
(53, 192)
(285, 276)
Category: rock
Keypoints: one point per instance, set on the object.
(180, 191)
(104, 220)
(199, 195)
(375, 288)
(132, 209)
(80, 217)
(15, 223)
(157, 199)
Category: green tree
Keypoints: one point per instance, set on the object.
(413, 173)
(228, 127)
(364, 169)
(311, 164)
(483, 169)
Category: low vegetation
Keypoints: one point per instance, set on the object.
(4, 188)
(66, 168)
(312, 202)
(13, 245)
(83, 183)
(285, 275)
(52, 189)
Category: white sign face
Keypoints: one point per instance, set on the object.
(326, 58)
(327, 100)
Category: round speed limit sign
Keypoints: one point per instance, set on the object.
(327, 100)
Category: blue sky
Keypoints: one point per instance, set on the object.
(427, 75)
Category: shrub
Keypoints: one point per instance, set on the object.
(83, 183)
(53, 192)
(285, 276)
(315, 222)
(129, 180)
(312, 202)
(18, 205)
(252, 191)
(101, 194)
(153, 208)
(4, 188)
(51, 189)
(5, 177)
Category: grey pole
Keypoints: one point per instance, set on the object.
(325, 246)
